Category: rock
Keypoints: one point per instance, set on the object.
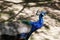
(16, 1)
(4, 16)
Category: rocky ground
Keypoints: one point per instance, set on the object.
(51, 28)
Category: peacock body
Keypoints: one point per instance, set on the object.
(33, 25)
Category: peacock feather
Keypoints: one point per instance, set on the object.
(27, 22)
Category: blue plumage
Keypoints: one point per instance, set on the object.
(35, 25)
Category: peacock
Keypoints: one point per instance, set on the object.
(34, 25)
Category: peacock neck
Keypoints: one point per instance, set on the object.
(40, 17)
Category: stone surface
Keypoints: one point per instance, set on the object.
(16, 1)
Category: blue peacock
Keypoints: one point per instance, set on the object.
(34, 25)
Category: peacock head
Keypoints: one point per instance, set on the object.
(41, 13)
